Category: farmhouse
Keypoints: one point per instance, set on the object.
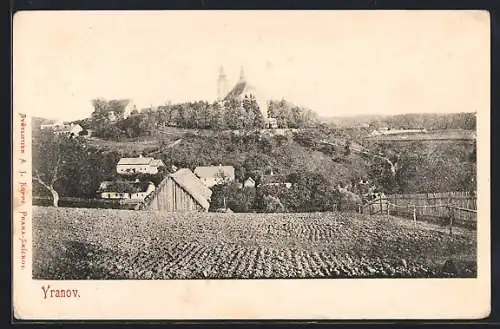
(180, 192)
(214, 175)
(125, 190)
(139, 165)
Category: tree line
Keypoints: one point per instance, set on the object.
(109, 120)
(431, 121)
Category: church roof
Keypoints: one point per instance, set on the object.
(242, 88)
(239, 89)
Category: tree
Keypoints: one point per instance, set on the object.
(258, 119)
(118, 106)
(248, 114)
(56, 164)
(233, 113)
(216, 117)
(47, 162)
(347, 148)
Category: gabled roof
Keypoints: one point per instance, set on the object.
(192, 185)
(214, 171)
(135, 161)
(157, 163)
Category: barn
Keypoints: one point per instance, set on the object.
(180, 192)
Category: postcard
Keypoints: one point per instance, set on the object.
(251, 165)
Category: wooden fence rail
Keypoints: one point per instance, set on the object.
(459, 207)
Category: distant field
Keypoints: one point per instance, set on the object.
(443, 135)
(72, 243)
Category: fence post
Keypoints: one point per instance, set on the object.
(381, 207)
(415, 215)
(451, 215)
(388, 209)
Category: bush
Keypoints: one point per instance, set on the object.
(273, 204)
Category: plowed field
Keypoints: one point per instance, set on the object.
(72, 243)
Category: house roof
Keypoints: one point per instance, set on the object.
(214, 171)
(135, 161)
(157, 163)
(192, 185)
(61, 127)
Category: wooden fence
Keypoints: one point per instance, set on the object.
(460, 207)
(86, 203)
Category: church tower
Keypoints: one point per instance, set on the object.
(221, 84)
(242, 75)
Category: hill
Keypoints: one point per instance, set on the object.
(297, 156)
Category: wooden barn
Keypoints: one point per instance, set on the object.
(179, 192)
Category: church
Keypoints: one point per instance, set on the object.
(241, 89)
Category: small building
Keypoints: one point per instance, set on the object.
(59, 128)
(271, 123)
(214, 175)
(139, 165)
(125, 190)
(249, 182)
(274, 180)
(181, 191)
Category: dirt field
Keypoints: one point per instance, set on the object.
(72, 243)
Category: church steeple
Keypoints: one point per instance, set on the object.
(221, 72)
(221, 84)
(242, 74)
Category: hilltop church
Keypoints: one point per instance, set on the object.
(241, 89)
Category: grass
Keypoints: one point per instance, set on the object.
(72, 243)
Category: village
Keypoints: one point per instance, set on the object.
(174, 164)
(185, 189)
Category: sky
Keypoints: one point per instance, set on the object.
(337, 63)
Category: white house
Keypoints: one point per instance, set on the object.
(139, 165)
(123, 190)
(271, 123)
(214, 175)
